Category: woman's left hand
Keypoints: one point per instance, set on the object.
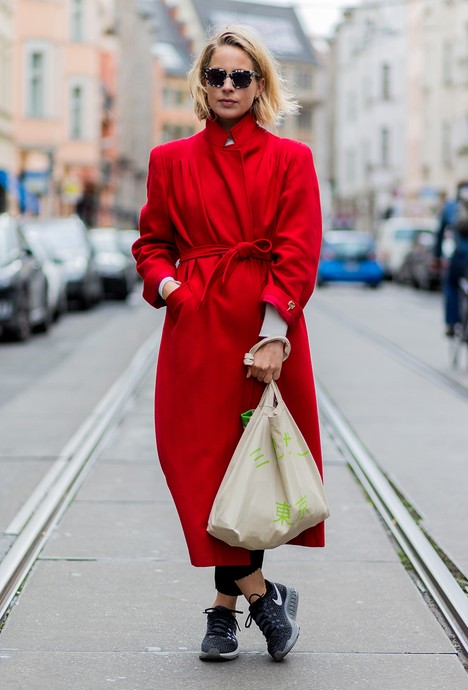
(268, 361)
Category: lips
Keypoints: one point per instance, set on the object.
(226, 100)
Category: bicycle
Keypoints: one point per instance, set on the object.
(460, 338)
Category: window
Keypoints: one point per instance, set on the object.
(350, 163)
(305, 119)
(385, 147)
(447, 62)
(351, 106)
(303, 80)
(77, 20)
(36, 84)
(76, 112)
(446, 144)
(385, 82)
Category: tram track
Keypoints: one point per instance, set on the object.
(34, 522)
(430, 567)
(415, 364)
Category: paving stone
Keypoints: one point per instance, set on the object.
(128, 606)
(117, 530)
(19, 478)
(119, 481)
(133, 442)
(183, 670)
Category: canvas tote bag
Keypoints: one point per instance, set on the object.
(272, 490)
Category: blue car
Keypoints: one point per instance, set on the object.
(349, 256)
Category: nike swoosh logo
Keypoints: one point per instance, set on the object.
(278, 599)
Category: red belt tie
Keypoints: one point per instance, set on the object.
(260, 250)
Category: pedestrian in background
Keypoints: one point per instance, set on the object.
(230, 242)
(454, 217)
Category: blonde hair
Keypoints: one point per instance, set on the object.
(272, 104)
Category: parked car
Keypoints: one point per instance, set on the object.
(68, 241)
(23, 284)
(127, 237)
(349, 256)
(395, 237)
(53, 269)
(115, 267)
(418, 268)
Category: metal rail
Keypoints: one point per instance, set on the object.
(400, 355)
(33, 524)
(431, 569)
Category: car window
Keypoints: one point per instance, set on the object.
(404, 234)
(351, 248)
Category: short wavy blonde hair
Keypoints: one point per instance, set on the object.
(273, 103)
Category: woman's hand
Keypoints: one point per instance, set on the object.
(169, 287)
(268, 361)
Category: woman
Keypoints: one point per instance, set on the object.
(230, 240)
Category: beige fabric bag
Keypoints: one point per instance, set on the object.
(272, 490)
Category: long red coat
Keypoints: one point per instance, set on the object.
(245, 222)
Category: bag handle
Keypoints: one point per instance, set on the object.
(249, 356)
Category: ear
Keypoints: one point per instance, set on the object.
(260, 87)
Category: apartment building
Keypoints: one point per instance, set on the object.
(172, 52)
(6, 111)
(370, 49)
(57, 98)
(444, 98)
(401, 114)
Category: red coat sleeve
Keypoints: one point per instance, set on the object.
(155, 250)
(297, 239)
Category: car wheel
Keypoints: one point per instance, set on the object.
(374, 286)
(22, 329)
(44, 325)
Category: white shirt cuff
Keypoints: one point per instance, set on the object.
(162, 284)
(273, 325)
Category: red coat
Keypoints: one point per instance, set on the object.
(245, 222)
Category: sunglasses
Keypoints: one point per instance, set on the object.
(241, 78)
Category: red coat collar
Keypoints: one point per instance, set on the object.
(242, 132)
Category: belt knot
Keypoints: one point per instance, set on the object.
(259, 249)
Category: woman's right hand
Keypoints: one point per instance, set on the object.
(169, 287)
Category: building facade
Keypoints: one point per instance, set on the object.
(370, 49)
(57, 99)
(283, 34)
(444, 100)
(172, 52)
(401, 114)
(7, 151)
(136, 88)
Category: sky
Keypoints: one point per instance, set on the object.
(319, 16)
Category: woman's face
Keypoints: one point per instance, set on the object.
(228, 103)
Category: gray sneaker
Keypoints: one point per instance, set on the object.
(275, 614)
(220, 642)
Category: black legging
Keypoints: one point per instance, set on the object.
(226, 575)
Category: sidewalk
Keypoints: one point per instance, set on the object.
(114, 603)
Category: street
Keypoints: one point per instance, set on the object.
(413, 424)
(402, 408)
(92, 610)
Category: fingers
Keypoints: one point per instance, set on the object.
(267, 364)
(265, 372)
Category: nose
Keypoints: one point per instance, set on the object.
(228, 85)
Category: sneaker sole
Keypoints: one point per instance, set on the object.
(291, 604)
(215, 655)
